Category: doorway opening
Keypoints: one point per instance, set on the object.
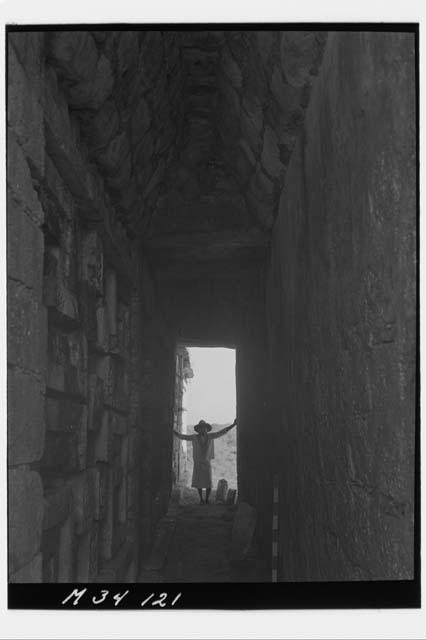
(205, 389)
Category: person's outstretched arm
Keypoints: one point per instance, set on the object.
(182, 436)
(221, 432)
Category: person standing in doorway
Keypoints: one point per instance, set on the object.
(203, 453)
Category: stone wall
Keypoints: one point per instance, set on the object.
(341, 308)
(156, 378)
(27, 319)
(123, 88)
(81, 309)
(183, 372)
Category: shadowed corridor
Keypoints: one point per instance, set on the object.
(247, 189)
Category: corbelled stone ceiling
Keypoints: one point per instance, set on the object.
(191, 130)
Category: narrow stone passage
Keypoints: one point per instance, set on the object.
(253, 190)
(201, 545)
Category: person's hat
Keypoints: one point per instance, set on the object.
(204, 424)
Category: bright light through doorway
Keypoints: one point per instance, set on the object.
(211, 396)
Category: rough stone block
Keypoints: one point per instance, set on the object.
(301, 53)
(92, 264)
(66, 442)
(58, 190)
(67, 154)
(25, 246)
(57, 504)
(56, 359)
(289, 99)
(26, 418)
(77, 345)
(26, 325)
(61, 145)
(67, 362)
(55, 376)
(26, 512)
(92, 93)
(19, 180)
(95, 403)
(30, 573)
(75, 53)
(73, 417)
(56, 292)
(105, 370)
(25, 115)
(61, 452)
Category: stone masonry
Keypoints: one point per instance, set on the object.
(341, 310)
(74, 315)
(250, 189)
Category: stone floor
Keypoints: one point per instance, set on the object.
(200, 550)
